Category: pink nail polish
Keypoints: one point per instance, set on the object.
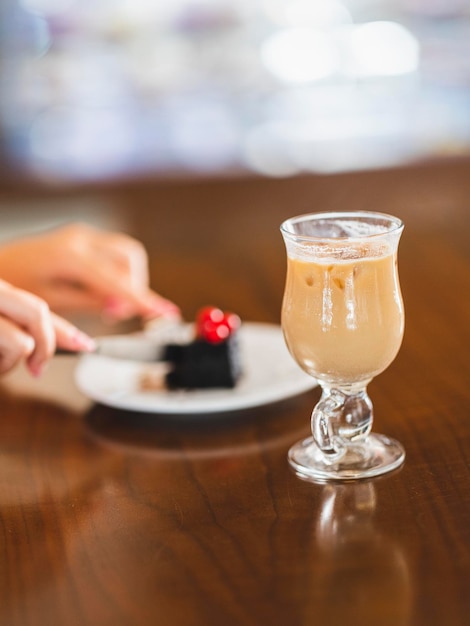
(36, 369)
(162, 306)
(84, 342)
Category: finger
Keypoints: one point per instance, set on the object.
(66, 297)
(120, 274)
(120, 251)
(15, 345)
(129, 254)
(104, 280)
(70, 337)
(126, 269)
(121, 254)
(31, 314)
(113, 269)
(156, 306)
(108, 283)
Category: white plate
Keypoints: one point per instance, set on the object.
(269, 374)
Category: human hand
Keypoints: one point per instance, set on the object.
(80, 268)
(30, 332)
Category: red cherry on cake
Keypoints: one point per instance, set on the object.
(232, 321)
(214, 326)
(215, 333)
(208, 321)
(209, 314)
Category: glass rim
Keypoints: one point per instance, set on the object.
(396, 225)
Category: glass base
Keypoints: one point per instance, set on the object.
(375, 455)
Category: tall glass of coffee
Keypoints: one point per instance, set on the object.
(343, 322)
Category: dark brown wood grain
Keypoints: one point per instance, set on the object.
(112, 518)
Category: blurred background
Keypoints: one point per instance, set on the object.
(95, 90)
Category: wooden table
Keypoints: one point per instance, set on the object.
(125, 519)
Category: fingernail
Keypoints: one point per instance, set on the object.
(83, 342)
(116, 308)
(161, 306)
(36, 369)
(112, 305)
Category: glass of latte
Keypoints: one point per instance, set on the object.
(343, 322)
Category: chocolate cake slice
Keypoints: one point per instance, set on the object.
(210, 361)
(203, 365)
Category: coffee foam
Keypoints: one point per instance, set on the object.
(344, 251)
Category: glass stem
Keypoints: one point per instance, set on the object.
(341, 418)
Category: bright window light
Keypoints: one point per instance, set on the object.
(383, 49)
(316, 13)
(300, 55)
